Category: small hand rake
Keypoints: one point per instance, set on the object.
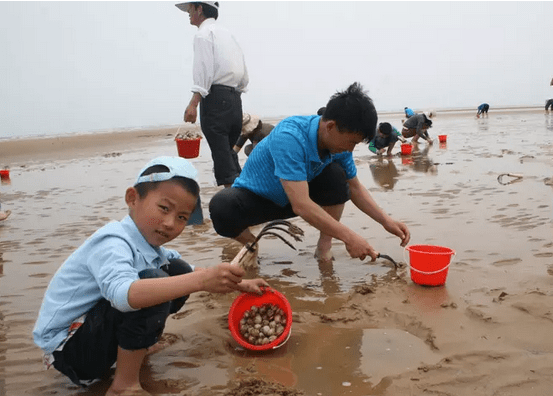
(270, 229)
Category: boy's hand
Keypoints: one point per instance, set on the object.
(223, 278)
(252, 285)
(400, 230)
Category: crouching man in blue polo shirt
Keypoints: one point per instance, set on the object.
(305, 168)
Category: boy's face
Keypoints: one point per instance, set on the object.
(337, 141)
(163, 213)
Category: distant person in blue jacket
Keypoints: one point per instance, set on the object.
(385, 139)
(408, 112)
(483, 109)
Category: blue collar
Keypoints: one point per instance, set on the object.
(151, 254)
(313, 140)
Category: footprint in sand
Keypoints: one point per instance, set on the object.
(503, 263)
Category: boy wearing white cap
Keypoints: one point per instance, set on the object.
(102, 305)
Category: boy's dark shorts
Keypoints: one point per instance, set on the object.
(92, 350)
(233, 210)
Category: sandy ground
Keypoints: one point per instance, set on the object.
(359, 328)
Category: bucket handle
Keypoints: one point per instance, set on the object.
(285, 341)
(423, 272)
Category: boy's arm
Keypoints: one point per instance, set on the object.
(222, 278)
(361, 198)
(303, 206)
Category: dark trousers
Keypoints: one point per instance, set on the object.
(549, 104)
(221, 121)
(92, 350)
(232, 210)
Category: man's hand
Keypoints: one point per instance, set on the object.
(400, 230)
(191, 114)
(358, 247)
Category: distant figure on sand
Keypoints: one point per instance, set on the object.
(4, 214)
(109, 301)
(220, 76)
(305, 168)
(385, 139)
(253, 129)
(408, 112)
(548, 105)
(417, 127)
(483, 109)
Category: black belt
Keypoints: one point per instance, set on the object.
(223, 87)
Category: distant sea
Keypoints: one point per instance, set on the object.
(271, 119)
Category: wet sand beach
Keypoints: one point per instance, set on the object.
(359, 328)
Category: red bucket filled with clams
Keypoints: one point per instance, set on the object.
(260, 322)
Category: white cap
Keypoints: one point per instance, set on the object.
(184, 6)
(177, 167)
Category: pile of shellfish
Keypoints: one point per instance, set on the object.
(262, 325)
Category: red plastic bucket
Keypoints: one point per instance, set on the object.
(442, 138)
(244, 302)
(429, 264)
(406, 149)
(4, 173)
(188, 148)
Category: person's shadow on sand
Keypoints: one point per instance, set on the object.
(384, 173)
(421, 162)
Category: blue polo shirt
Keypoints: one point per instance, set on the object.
(289, 152)
(104, 266)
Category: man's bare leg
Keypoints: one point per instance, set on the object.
(245, 237)
(324, 245)
(249, 260)
(126, 380)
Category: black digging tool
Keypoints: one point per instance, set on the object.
(271, 228)
(384, 256)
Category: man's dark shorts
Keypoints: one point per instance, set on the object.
(92, 350)
(233, 210)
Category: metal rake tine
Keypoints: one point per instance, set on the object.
(293, 235)
(275, 234)
(293, 228)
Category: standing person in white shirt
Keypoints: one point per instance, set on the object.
(220, 76)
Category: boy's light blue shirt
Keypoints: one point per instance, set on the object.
(289, 152)
(104, 266)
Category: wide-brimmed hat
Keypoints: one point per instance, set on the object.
(249, 122)
(184, 6)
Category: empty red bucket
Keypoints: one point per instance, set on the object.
(406, 149)
(442, 138)
(244, 302)
(429, 264)
(4, 173)
(188, 148)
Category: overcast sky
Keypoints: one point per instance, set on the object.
(85, 66)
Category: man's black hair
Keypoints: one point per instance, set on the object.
(385, 128)
(353, 111)
(144, 188)
(321, 111)
(207, 10)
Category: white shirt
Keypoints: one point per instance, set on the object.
(218, 59)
